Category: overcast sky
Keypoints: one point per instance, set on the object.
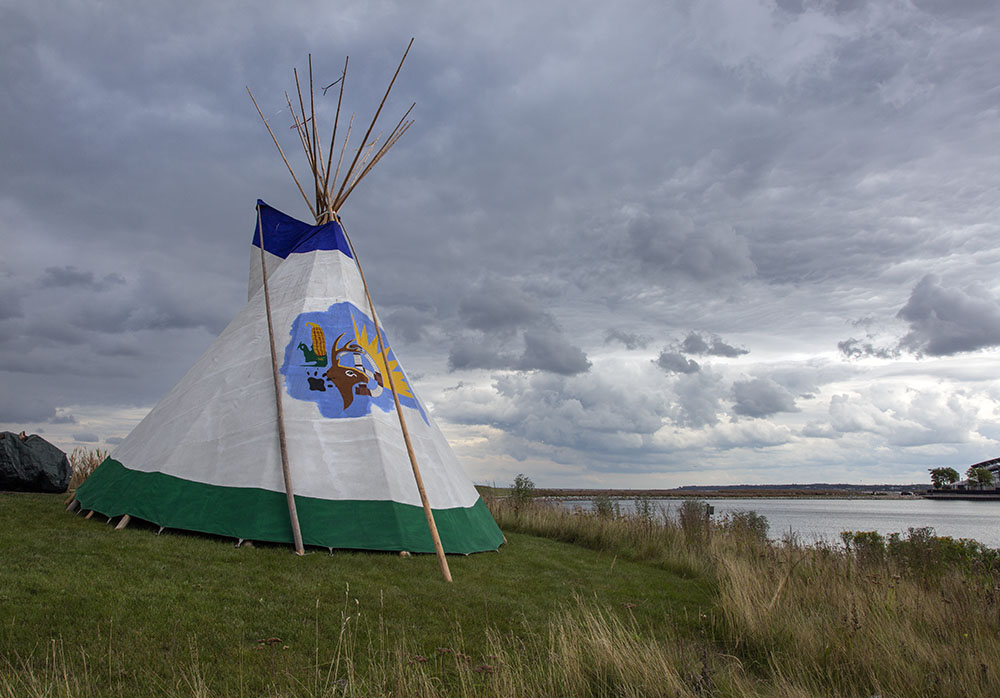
(628, 244)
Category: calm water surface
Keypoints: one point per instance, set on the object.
(815, 519)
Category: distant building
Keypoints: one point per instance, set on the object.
(993, 465)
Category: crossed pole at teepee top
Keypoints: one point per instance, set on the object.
(325, 207)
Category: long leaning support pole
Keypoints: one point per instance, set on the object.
(289, 491)
(438, 548)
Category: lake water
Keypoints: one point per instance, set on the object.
(815, 519)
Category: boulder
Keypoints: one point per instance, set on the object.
(32, 464)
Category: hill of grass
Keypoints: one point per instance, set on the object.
(574, 604)
(133, 613)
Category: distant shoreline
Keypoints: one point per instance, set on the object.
(734, 493)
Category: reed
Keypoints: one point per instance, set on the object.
(84, 461)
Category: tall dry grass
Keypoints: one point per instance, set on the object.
(584, 651)
(918, 616)
(84, 461)
(653, 537)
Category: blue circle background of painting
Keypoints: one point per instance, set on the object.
(338, 319)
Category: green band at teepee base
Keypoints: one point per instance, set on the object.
(257, 514)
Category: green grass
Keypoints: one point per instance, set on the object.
(574, 605)
(141, 614)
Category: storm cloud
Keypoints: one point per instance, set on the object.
(945, 321)
(667, 245)
(711, 345)
(623, 243)
(761, 397)
(674, 362)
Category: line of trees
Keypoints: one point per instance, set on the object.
(949, 476)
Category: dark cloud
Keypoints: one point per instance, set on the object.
(24, 408)
(955, 7)
(410, 324)
(508, 317)
(469, 353)
(631, 340)
(548, 350)
(10, 304)
(694, 344)
(710, 345)
(156, 302)
(805, 378)
(673, 362)
(859, 349)
(499, 307)
(666, 245)
(70, 276)
(544, 350)
(63, 418)
(113, 440)
(945, 321)
(86, 437)
(761, 397)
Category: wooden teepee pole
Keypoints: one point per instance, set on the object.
(282, 153)
(327, 206)
(438, 548)
(285, 471)
(338, 199)
(333, 136)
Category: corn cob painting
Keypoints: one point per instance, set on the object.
(316, 355)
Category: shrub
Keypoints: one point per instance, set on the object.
(605, 507)
(927, 556)
(747, 525)
(868, 546)
(522, 492)
(694, 519)
(645, 511)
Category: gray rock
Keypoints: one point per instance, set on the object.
(32, 464)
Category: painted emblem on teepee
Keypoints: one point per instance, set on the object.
(345, 377)
(314, 355)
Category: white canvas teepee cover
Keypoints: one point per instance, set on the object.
(207, 458)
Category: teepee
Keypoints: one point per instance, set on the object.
(299, 424)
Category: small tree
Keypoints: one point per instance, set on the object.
(943, 476)
(522, 491)
(986, 477)
(979, 476)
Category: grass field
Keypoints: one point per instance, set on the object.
(141, 614)
(572, 605)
